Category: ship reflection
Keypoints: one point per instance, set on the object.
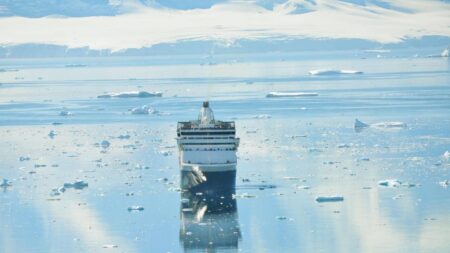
(208, 211)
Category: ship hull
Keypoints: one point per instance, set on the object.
(208, 183)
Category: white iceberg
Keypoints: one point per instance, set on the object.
(79, 185)
(132, 94)
(444, 183)
(65, 113)
(380, 125)
(140, 110)
(446, 155)
(321, 199)
(5, 183)
(291, 94)
(135, 208)
(330, 72)
(389, 183)
(445, 53)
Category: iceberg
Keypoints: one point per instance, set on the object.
(332, 72)
(321, 199)
(291, 94)
(5, 184)
(132, 94)
(78, 185)
(65, 113)
(135, 208)
(390, 183)
(445, 53)
(446, 155)
(359, 125)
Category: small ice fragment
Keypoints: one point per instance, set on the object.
(303, 187)
(65, 113)
(330, 72)
(105, 144)
(329, 199)
(390, 183)
(444, 183)
(291, 94)
(281, 217)
(135, 208)
(79, 185)
(291, 178)
(140, 110)
(165, 152)
(262, 116)
(51, 134)
(132, 94)
(446, 155)
(243, 196)
(110, 246)
(343, 145)
(445, 53)
(123, 136)
(363, 159)
(24, 158)
(5, 183)
(360, 124)
(389, 124)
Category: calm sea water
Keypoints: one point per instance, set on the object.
(292, 150)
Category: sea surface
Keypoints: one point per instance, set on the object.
(292, 150)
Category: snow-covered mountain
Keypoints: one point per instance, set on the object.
(124, 24)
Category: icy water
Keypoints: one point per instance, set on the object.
(292, 151)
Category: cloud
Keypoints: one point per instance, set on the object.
(148, 25)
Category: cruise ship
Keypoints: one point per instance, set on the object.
(207, 151)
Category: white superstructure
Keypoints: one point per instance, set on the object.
(206, 142)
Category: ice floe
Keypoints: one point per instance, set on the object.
(444, 183)
(291, 94)
(135, 208)
(132, 94)
(331, 72)
(105, 144)
(24, 158)
(445, 53)
(446, 155)
(262, 116)
(394, 183)
(51, 134)
(65, 113)
(5, 183)
(359, 125)
(321, 199)
(78, 185)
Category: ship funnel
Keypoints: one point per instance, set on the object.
(206, 115)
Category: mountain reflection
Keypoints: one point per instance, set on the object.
(208, 211)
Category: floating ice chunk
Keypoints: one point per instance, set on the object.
(123, 136)
(359, 125)
(291, 178)
(445, 53)
(446, 155)
(303, 187)
(57, 191)
(444, 183)
(291, 94)
(105, 144)
(24, 158)
(262, 116)
(132, 94)
(390, 183)
(331, 72)
(243, 196)
(78, 185)
(52, 134)
(281, 218)
(140, 110)
(165, 152)
(65, 113)
(110, 246)
(344, 145)
(135, 208)
(321, 199)
(363, 159)
(5, 183)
